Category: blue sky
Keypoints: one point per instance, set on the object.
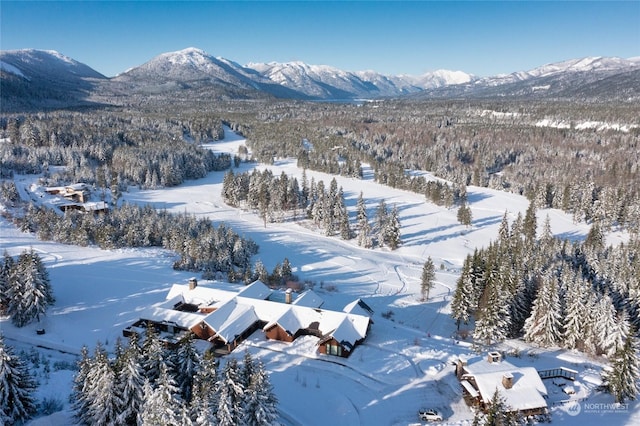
(399, 37)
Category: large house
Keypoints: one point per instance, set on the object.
(521, 387)
(225, 318)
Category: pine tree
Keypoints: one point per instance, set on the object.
(427, 280)
(498, 413)
(382, 217)
(130, 384)
(529, 224)
(29, 290)
(576, 314)
(464, 214)
(493, 322)
(364, 229)
(186, 364)
(544, 325)
(204, 400)
(260, 402)
(153, 355)
(17, 387)
(79, 396)
(6, 272)
(391, 232)
(162, 405)
(230, 394)
(102, 402)
(622, 378)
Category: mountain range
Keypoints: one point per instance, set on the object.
(34, 77)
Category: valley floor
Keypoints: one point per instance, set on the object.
(406, 361)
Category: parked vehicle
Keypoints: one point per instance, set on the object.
(430, 415)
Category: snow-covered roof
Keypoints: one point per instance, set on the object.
(231, 319)
(237, 311)
(524, 395)
(199, 296)
(333, 324)
(469, 388)
(256, 290)
(358, 307)
(346, 333)
(160, 314)
(526, 392)
(289, 321)
(309, 299)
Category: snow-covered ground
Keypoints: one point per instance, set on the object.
(405, 362)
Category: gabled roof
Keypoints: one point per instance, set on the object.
(527, 391)
(231, 319)
(256, 290)
(309, 299)
(288, 321)
(199, 296)
(346, 333)
(180, 319)
(358, 307)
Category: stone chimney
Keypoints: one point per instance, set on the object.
(494, 357)
(193, 283)
(507, 380)
(288, 296)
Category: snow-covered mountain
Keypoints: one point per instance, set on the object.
(31, 78)
(36, 76)
(194, 68)
(33, 64)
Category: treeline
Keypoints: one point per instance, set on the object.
(583, 296)
(25, 288)
(150, 384)
(279, 198)
(591, 174)
(110, 147)
(201, 246)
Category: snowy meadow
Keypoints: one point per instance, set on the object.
(405, 363)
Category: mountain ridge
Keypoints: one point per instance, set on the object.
(27, 70)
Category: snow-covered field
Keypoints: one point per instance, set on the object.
(405, 362)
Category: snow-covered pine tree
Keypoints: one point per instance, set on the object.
(153, 355)
(130, 382)
(575, 313)
(464, 214)
(17, 387)
(186, 362)
(260, 402)
(204, 400)
(29, 290)
(162, 406)
(248, 368)
(493, 322)
(382, 217)
(230, 394)
(80, 401)
(544, 325)
(463, 303)
(498, 413)
(427, 279)
(103, 403)
(529, 225)
(606, 327)
(391, 232)
(622, 378)
(6, 270)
